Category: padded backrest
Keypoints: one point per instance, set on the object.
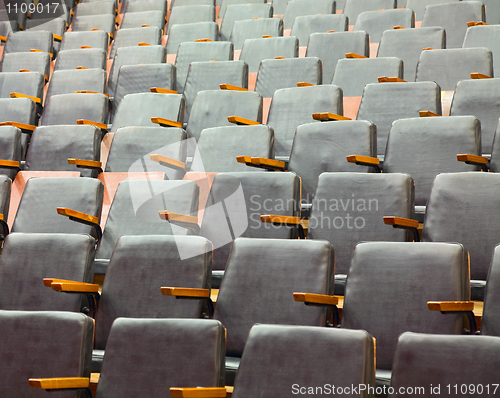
(237, 12)
(135, 208)
(66, 348)
(424, 147)
(453, 17)
(104, 22)
(254, 29)
(28, 258)
(52, 146)
(246, 196)
(366, 70)
(10, 149)
(479, 98)
(305, 25)
(323, 147)
(21, 110)
(353, 8)
(349, 208)
(277, 267)
(448, 67)
(133, 36)
(210, 75)
(297, 8)
(197, 52)
(8, 26)
(495, 151)
(37, 212)
(72, 80)
(225, 3)
(407, 44)
(94, 39)
(400, 278)
(178, 3)
(492, 11)
(275, 74)
(212, 107)
(190, 32)
(144, 5)
(348, 360)
(183, 261)
(35, 62)
(139, 18)
(418, 6)
(292, 107)
(25, 41)
(488, 37)
(88, 58)
(490, 322)
(383, 103)
(5, 188)
(256, 50)
(446, 215)
(376, 22)
(28, 83)
(190, 14)
(68, 108)
(95, 8)
(331, 47)
(155, 342)
(138, 109)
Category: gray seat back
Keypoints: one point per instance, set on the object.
(298, 8)
(256, 50)
(488, 37)
(88, 58)
(376, 22)
(418, 6)
(490, 324)
(353, 8)
(190, 14)
(28, 83)
(137, 19)
(68, 108)
(238, 12)
(35, 62)
(71, 80)
(95, 39)
(254, 29)
(181, 33)
(10, 149)
(133, 36)
(305, 25)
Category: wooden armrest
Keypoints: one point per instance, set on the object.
(101, 126)
(450, 306)
(86, 164)
(49, 281)
(304, 84)
(168, 162)
(386, 79)
(64, 211)
(75, 287)
(35, 50)
(363, 160)
(145, 26)
(398, 27)
(162, 90)
(198, 392)
(202, 40)
(279, 57)
(57, 38)
(240, 121)
(232, 87)
(143, 44)
(82, 67)
(84, 47)
(354, 55)
(3, 38)
(401, 222)
(10, 164)
(171, 216)
(428, 114)
(265, 36)
(25, 70)
(477, 75)
(280, 220)
(25, 127)
(316, 298)
(19, 95)
(474, 23)
(185, 292)
(327, 116)
(472, 159)
(87, 91)
(269, 164)
(165, 122)
(60, 383)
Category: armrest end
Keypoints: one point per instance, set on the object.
(165, 122)
(60, 383)
(316, 298)
(428, 114)
(232, 87)
(450, 306)
(240, 121)
(328, 116)
(198, 392)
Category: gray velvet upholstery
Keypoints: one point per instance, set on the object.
(479, 98)
(248, 195)
(383, 103)
(292, 107)
(52, 146)
(28, 83)
(323, 147)
(305, 25)
(492, 12)
(105, 23)
(275, 74)
(144, 5)
(418, 6)
(407, 44)
(138, 109)
(198, 346)
(5, 188)
(88, 58)
(488, 37)
(366, 70)
(446, 361)
(190, 14)
(495, 151)
(218, 147)
(198, 52)
(71, 80)
(328, 357)
(27, 258)
(7, 26)
(425, 147)
(212, 107)
(95, 8)
(24, 41)
(376, 22)
(490, 324)
(353, 8)
(190, 32)
(277, 268)
(453, 17)
(131, 147)
(210, 75)
(56, 343)
(139, 18)
(256, 50)
(21, 110)
(135, 208)
(225, 3)
(10, 149)
(68, 108)
(297, 8)
(254, 29)
(331, 47)
(179, 3)
(389, 284)
(238, 12)
(94, 39)
(134, 56)
(35, 62)
(448, 67)
(133, 36)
